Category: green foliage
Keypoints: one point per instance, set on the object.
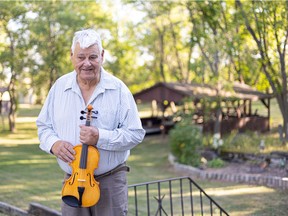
(185, 142)
(248, 142)
(216, 163)
(53, 30)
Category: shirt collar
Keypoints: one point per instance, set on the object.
(71, 82)
(106, 81)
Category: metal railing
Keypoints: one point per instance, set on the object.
(175, 196)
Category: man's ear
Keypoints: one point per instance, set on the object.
(71, 53)
(102, 56)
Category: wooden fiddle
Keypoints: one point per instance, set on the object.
(81, 189)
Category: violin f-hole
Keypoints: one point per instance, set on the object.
(73, 179)
(90, 180)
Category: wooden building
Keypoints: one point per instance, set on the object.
(236, 105)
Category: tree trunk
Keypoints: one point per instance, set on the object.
(11, 87)
(161, 62)
(284, 111)
(13, 107)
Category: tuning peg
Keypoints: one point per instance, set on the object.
(83, 112)
(82, 118)
(95, 112)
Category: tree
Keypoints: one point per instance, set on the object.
(209, 22)
(267, 23)
(161, 38)
(11, 16)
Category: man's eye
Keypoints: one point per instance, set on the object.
(94, 57)
(81, 57)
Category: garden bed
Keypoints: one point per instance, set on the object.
(240, 172)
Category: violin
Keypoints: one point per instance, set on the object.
(81, 189)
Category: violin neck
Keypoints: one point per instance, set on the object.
(84, 153)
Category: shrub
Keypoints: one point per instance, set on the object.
(185, 140)
(243, 142)
(216, 163)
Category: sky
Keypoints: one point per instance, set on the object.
(121, 12)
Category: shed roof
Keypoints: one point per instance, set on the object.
(177, 91)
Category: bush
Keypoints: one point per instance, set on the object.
(216, 163)
(185, 142)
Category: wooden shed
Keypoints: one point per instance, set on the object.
(236, 104)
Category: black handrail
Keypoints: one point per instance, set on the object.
(153, 196)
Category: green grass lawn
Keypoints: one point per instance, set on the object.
(30, 175)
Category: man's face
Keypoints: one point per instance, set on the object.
(87, 62)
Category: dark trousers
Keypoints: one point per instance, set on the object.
(113, 198)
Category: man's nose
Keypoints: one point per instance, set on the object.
(87, 61)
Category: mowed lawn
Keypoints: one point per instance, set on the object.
(30, 175)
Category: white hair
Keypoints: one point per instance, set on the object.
(86, 38)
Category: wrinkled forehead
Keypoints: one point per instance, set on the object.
(92, 49)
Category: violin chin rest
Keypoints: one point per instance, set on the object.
(71, 201)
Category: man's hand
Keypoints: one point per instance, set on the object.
(64, 151)
(89, 135)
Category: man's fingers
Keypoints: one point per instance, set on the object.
(67, 158)
(68, 153)
(89, 135)
(64, 151)
(70, 149)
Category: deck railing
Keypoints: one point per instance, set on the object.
(175, 196)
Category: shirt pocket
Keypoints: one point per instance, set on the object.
(107, 118)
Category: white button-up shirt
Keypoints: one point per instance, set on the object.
(116, 115)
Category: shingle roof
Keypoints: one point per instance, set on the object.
(177, 91)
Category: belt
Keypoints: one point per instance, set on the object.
(121, 167)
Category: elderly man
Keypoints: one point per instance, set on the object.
(114, 130)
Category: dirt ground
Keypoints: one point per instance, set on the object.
(263, 168)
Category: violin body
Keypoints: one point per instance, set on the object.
(81, 189)
(82, 180)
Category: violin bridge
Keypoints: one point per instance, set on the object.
(81, 180)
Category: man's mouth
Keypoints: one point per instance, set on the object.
(87, 69)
